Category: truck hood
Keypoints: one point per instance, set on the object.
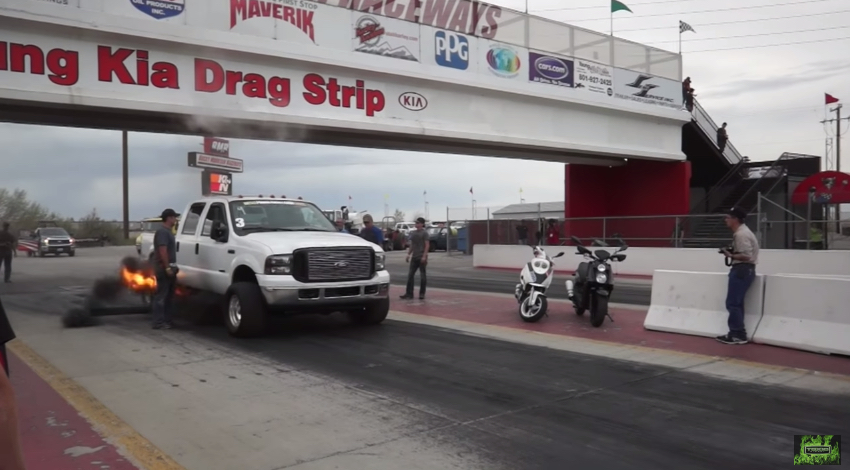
(287, 242)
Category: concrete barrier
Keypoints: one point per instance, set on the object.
(811, 313)
(694, 303)
(644, 261)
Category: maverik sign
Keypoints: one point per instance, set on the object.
(549, 69)
(648, 89)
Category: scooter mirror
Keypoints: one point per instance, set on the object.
(559, 255)
(575, 240)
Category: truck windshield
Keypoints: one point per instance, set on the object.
(271, 216)
(53, 232)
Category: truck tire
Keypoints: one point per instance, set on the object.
(372, 314)
(245, 310)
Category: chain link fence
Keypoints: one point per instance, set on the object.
(486, 225)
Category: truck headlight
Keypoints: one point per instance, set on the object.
(44, 242)
(279, 264)
(72, 241)
(380, 261)
(601, 278)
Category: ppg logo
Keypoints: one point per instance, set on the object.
(451, 50)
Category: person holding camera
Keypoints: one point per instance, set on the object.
(744, 257)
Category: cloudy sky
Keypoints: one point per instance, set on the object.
(762, 66)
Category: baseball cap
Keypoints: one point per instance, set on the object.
(737, 213)
(168, 213)
(420, 220)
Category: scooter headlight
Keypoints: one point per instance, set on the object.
(540, 266)
(601, 268)
(601, 278)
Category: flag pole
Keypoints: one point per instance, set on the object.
(680, 38)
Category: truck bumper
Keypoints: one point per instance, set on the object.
(285, 292)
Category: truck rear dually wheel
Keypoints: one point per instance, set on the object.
(245, 310)
(372, 314)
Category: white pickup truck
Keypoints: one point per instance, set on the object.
(266, 254)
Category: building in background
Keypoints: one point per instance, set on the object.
(531, 210)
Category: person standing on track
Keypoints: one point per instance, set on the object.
(164, 259)
(417, 256)
(11, 457)
(744, 255)
(8, 245)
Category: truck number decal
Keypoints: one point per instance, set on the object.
(240, 222)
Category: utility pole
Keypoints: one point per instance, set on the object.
(837, 121)
(126, 183)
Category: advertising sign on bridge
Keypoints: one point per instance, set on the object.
(549, 69)
(594, 78)
(385, 37)
(648, 89)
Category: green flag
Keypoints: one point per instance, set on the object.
(619, 6)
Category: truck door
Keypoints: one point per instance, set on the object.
(187, 246)
(215, 257)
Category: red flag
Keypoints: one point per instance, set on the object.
(830, 99)
(470, 190)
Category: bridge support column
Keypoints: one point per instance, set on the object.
(638, 189)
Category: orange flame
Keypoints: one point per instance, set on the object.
(138, 281)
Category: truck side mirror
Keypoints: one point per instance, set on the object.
(219, 232)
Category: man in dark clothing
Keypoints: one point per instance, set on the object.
(11, 456)
(417, 256)
(722, 137)
(686, 87)
(164, 262)
(370, 232)
(8, 245)
(689, 100)
(522, 234)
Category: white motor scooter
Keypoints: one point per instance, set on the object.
(534, 281)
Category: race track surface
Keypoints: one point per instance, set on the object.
(321, 394)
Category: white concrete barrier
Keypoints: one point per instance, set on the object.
(644, 261)
(694, 303)
(811, 313)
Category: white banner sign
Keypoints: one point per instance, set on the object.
(593, 78)
(646, 88)
(373, 34)
(503, 61)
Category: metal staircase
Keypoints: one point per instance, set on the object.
(709, 127)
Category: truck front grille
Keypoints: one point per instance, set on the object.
(334, 264)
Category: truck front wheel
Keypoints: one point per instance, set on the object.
(245, 310)
(372, 314)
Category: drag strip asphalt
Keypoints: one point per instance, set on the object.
(524, 407)
(626, 291)
(410, 396)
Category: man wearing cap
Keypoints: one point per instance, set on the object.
(417, 256)
(10, 439)
(164, 257)
(744, 258)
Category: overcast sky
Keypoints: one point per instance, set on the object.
(772, 98)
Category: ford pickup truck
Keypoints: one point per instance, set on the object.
(267, 255)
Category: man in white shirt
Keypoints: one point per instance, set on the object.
(744, 257)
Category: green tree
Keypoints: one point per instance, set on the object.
(20, 212)
(399, 215)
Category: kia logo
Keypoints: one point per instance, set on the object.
(551, 68)
(412, 101)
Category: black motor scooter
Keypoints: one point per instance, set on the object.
(593, 281)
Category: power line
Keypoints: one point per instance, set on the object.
(769, 45)
(596, 7)
(803, 2)
(750, 35)
(676, 26)
(773, 110)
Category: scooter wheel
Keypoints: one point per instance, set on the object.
(533, 313)
(579, 311)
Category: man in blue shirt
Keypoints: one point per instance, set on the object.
(164, 260)
(370, 232)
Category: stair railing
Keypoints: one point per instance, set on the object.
(709, 127)
(774, 169)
